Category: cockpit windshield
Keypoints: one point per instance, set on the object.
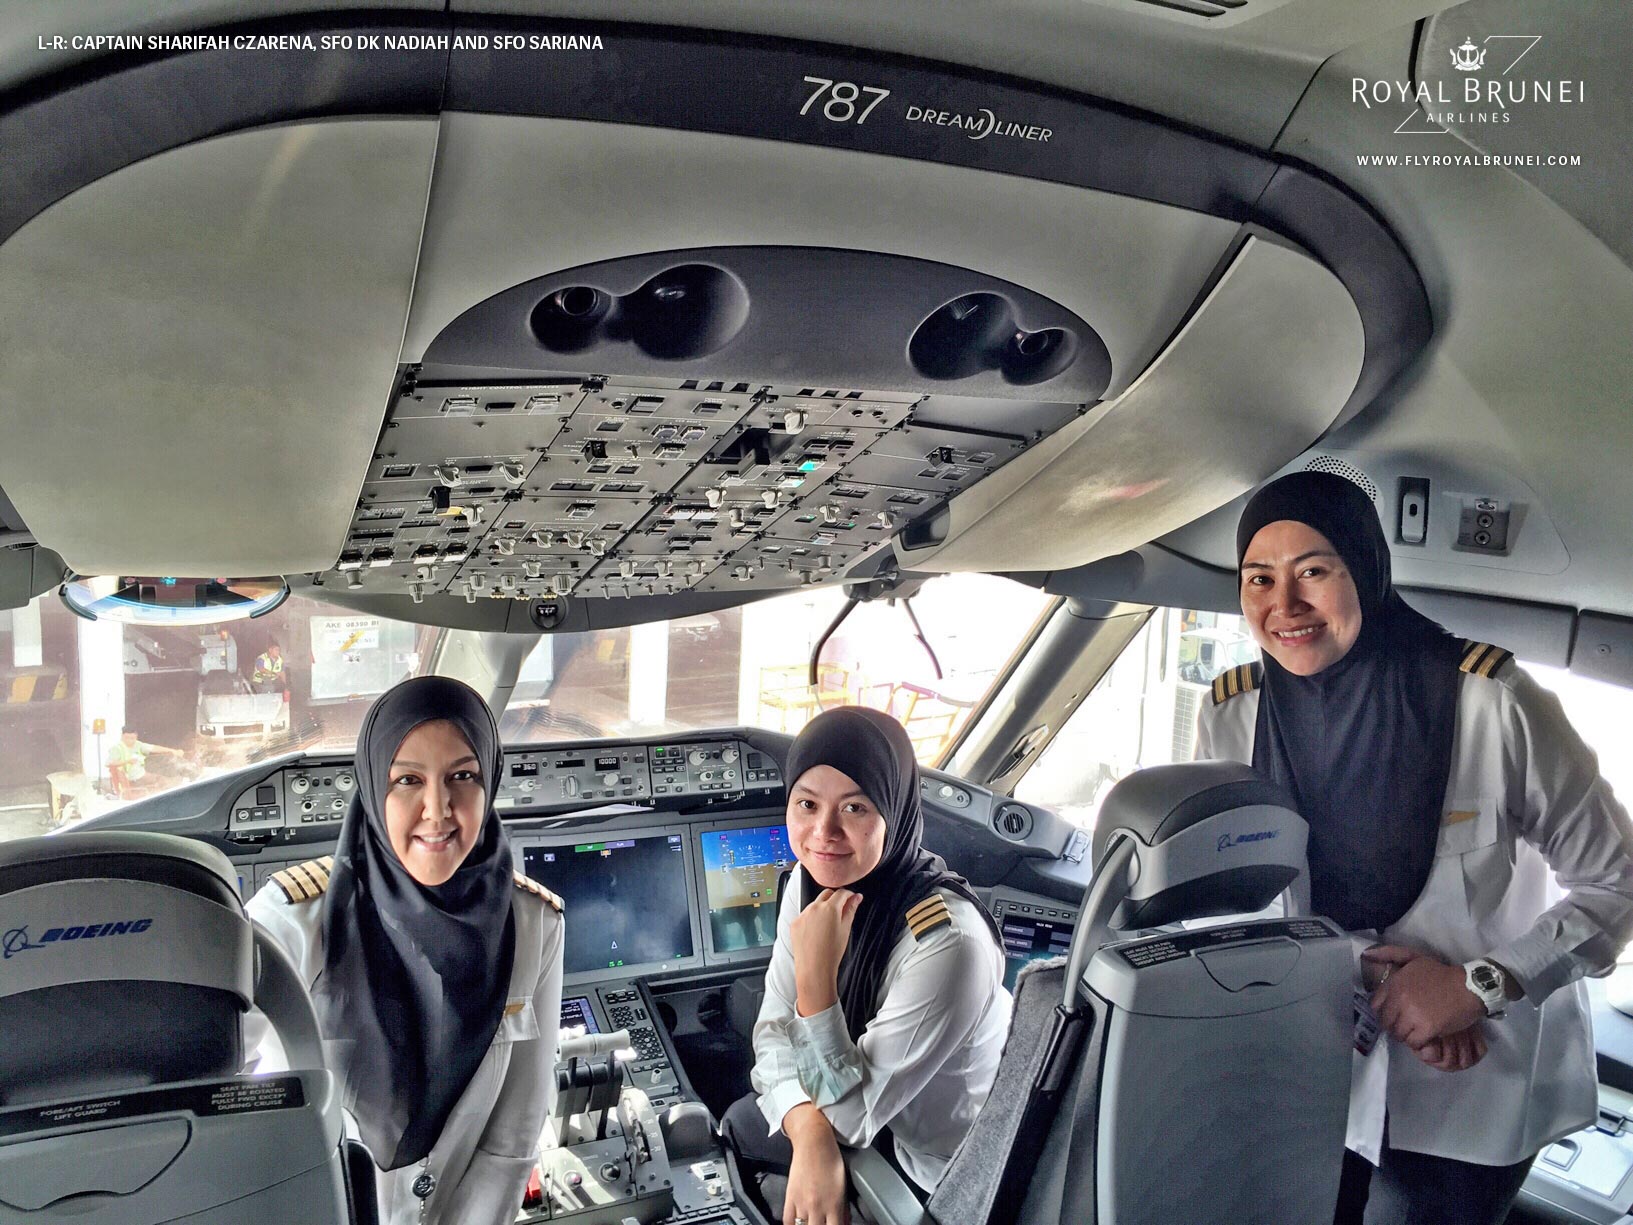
(97, 714)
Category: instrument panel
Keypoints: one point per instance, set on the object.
(299, 800)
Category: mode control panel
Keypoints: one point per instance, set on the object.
(260, 807)
(543, 777)
(318, 795)
(711, 765)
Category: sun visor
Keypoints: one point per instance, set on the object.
(1259, 371)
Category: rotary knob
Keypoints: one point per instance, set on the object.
(730, 776)
(300, 784)
(569, 785)
(610, 780)
(728, 754)
(696, 757)
(344, 781)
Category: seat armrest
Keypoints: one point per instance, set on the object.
(880, 1190)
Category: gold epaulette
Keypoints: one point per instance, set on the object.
(533, 886)
(925, 916)
(1239, 679)
(304, 881)
(1482, 659)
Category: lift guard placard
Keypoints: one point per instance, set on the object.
(1160, 949)
(223, 1097)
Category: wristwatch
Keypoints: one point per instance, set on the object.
(1488, 981)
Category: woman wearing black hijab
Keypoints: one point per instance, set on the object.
(435, 966)
(1441, 786)
(884, 1001)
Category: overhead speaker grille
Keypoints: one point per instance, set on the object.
(1345, 469)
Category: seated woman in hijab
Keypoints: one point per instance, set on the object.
(884, 1001)
(1441, 785)
(435, 966)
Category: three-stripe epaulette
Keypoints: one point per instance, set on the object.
(1482, 659)
(533, 886)
(302, 882)
(924, 916)
(1238, 680)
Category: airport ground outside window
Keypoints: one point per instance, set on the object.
(200, 700)
(1141, 713)
(749, 666)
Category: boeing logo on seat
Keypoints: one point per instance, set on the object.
(1263, 835)
(17, 941)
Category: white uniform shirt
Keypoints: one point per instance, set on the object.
(925, 1063)
(1524, 795)
(490, 1142)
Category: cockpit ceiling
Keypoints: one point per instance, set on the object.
(322, 316)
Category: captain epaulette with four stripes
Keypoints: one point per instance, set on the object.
(924, 916)
(302, 882)
(1482, 659)
(1237, 680)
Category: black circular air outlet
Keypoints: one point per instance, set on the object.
(980, 332)
(837, 320)
(1013, 821)
(688, 311)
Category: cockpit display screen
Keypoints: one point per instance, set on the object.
(740, 870)
(626, 899)
(576, 1011)
(1027, 940)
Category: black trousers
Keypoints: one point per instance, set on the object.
(744, 1128)
(1417, 1189)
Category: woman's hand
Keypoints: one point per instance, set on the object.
(816, 1179)
(819, 936)
(1455, 1052)
(1421, 998)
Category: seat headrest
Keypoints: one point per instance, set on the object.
(128, 961)
(1211, 838)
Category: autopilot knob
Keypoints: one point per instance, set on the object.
(610, 780)
(345, 781)
(728, 753)
(569, 785)
(696, 757)
(300, 784)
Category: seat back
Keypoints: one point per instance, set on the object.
(1198, 1076)
(128, 965)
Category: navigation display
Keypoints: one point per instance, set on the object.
(626, 899)
(740, 871)
(1027, 940)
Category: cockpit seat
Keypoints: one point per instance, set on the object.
(128, 966)
(1191, 1075)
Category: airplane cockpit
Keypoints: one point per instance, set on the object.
(672, 375)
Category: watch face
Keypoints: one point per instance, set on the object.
(1486, 978)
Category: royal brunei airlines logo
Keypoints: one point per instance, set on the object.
(1468, 57)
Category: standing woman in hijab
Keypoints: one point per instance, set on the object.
(1441, 784)
(434, 965)
(884, 1002)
